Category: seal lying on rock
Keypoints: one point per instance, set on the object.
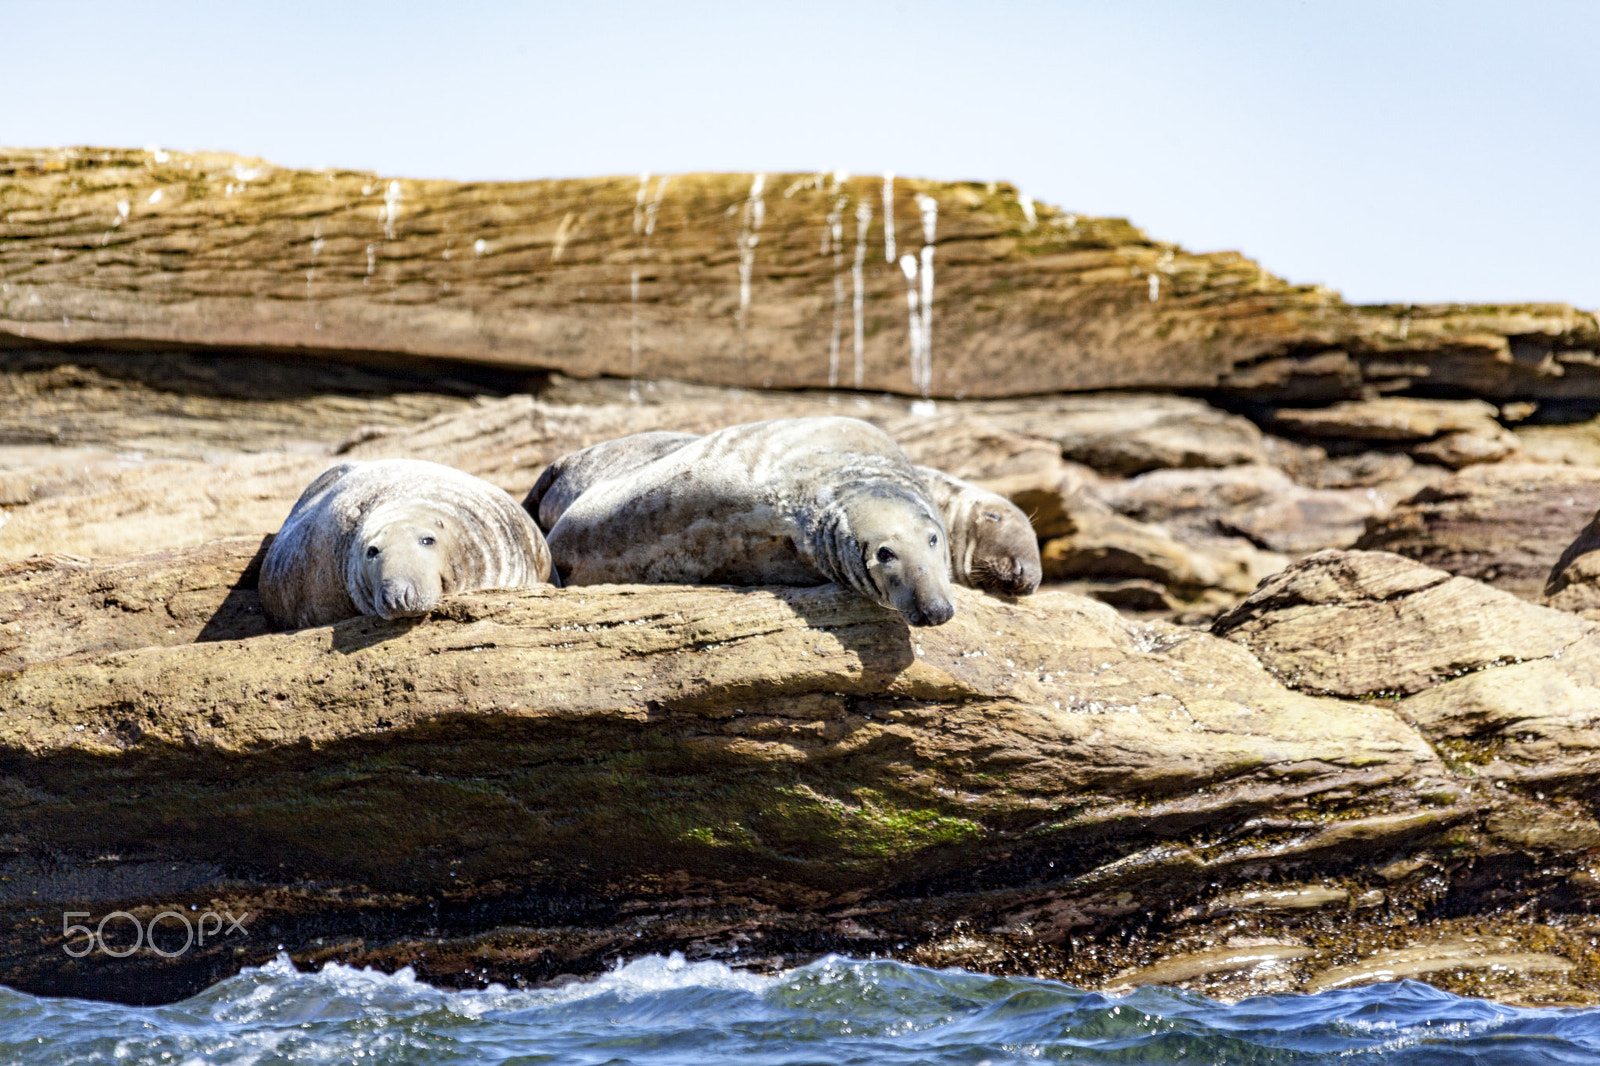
(390, 537)
(571, 475)
(794, 501)
(992, 543)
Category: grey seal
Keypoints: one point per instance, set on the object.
(992, 543)
(793, 501)
(390, 537)
(571, 475)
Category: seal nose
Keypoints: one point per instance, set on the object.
(1023, 579)
(398, 597)
(934, 612)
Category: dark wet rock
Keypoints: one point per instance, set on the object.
(1505, 524)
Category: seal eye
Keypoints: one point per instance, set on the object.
(886, 556)
(426, 542)
(372, 553)
(933, 539)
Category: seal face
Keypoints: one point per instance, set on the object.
(574, 473)
(992, 543)
(393, 536)
(794, 501)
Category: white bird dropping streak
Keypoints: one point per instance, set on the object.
(644, 227)
(1155, 287)
(1028, 212)
(836, 236)
(930, 225)
(638, 203)
(859, 281)
(888, 216)
(755, 211)
(654, 208)
(908, 266)
(390, 211)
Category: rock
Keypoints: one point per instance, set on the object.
(541, 275)
(1574, 581)
(1259, 503)
(1506, 688)
(1122, 435)
(1108, 546)
(1356, 623)
(1453, 433)
(1463, 953)
(1531, 723)
(1390, 418)
(1184, 968)
(648, 743)
(56, 606)
(1506, 524)
(976, 449)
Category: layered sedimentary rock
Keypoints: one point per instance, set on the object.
(533, 783)
(1506, 524)
(727, 278)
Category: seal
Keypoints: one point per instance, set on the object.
(992, 543)
(390, 537)
(571, 475)
(792, 501)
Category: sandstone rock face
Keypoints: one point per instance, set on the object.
(1505, 524)
(1260, 504)
(62, 605)
(727, 278)
(1509, 689)
(117, 506)
(1453, 433)
(1361, 623)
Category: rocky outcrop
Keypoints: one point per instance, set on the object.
(1509, 690)
(1453, 433)
(1358, 624)
(121, 504)
(531, 783)
(727, 278)
(1505, 524)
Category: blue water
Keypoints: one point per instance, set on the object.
(665, 1011)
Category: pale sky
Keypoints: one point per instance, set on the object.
(1397, 150)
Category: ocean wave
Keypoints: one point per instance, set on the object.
(667, 1010)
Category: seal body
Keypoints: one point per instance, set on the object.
(795, 501)
(992, 543)
(574, 473)
(390, 538)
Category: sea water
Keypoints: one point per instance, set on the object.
(658, 1010)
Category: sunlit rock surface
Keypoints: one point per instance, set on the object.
(726, 278)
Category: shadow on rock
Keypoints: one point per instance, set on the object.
(240, 614)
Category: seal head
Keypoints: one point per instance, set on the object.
(403, 559)
(390, 537)
(890, 546)
(992, 544)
